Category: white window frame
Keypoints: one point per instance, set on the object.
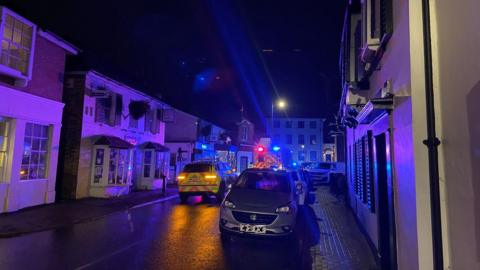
(244, 133)
(46, 140)
(367, 34)
(126, 168)
(6, 69)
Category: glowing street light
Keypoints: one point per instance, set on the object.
(281, 104)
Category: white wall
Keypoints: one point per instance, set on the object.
(91, 130)
(25, 108)
(456, 61)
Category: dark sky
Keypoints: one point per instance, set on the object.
(208, 57)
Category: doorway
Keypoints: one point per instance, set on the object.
(386, 214)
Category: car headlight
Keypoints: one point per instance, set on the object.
(228, 204)
(283, 209)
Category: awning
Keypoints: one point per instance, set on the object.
(374, 109)
(156, 146)
(114, 142)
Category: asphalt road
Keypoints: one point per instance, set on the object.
(166, 235)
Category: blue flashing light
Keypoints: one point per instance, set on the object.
(276, 148)
(294, 164)
(204, 146)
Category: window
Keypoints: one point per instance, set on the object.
(152, 121)
(147, 163)
(288, 124)
(363, 170)
(99, 160)
(301, 124)
(198, 167)
(313, 155)
(276, 124)
(160, 164)
(109, 110)
(301, 139)
(35, 152)
(119, 170)
(377, 20)
(244, 133)
(288, 139)
(301, 155)
(16, 44)
(313, 124)
(4, 126)
(313, 139)
(266, 181)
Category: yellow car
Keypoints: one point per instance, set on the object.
(205, 178)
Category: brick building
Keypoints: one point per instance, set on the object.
(32, 63)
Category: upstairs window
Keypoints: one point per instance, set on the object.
(313, 124)
(301, 124)
(301, 139)
(17, 40)
(377, 20)
(288, 124)
(109, 110)
(153, 120)
(313, 139)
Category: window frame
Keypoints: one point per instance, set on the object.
(302, 141)
(301, 124)
(41, 141)
(4, 149)
(7, 69)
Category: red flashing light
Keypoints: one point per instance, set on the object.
(260, 149)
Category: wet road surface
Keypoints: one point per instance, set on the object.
(167, 235)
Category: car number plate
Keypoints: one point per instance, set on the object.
(253, 228)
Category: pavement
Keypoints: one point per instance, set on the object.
(342, 245)
(68, 213)
(170, 235)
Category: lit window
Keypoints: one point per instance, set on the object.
(16, 44)
(4, 125)
(160, 164)
(35, 152)
(99, 159)
(119, 170)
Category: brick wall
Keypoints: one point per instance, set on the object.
(48, 69)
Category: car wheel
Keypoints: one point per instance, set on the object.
(183, 198)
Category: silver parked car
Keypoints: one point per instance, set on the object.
(261, 202)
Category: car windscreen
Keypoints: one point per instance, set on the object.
(268, 181)
(198, 167)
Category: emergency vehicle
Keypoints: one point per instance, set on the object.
(205, 178)
(266, 159)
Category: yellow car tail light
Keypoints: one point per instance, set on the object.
(210, 176)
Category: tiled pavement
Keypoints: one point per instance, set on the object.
(341, 244)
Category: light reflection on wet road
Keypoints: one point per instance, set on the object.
(167, 235)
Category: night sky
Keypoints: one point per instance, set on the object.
(210, 57)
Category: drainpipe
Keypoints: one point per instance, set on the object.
(432, 143)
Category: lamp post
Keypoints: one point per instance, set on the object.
(281, 104)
